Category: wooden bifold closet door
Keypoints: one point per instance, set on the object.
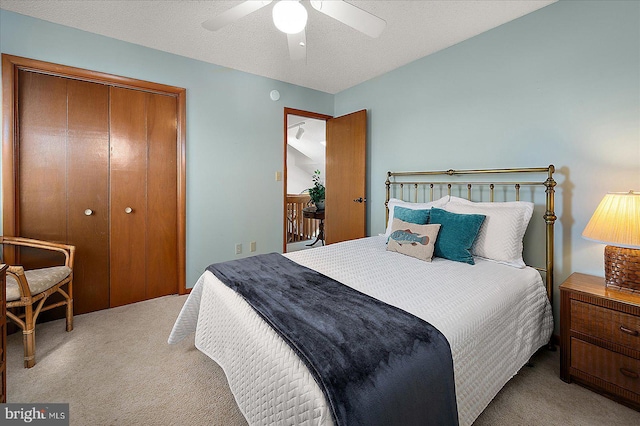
(99, 167)
(63, 171)
(143, 206)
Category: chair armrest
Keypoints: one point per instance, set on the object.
(66, 249)
(17, 272)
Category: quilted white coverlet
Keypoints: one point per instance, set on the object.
(494, 316)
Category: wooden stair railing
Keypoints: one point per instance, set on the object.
(299, 228)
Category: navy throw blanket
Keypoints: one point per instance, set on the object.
(376, 364)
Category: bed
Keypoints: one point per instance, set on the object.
(495, 313)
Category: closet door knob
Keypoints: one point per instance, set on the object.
(88, 212)
(128, 210)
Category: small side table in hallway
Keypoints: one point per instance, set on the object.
(312, 213)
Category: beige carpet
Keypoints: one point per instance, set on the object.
(116, 368)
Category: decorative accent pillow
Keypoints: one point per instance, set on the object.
(457, 234)
(419, 217)
(393, 202)
(412, 239)
(501, 234)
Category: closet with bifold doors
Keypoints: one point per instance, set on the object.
(97, 161)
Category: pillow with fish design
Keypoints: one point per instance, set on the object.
(412, 239)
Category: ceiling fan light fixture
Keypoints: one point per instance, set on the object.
(289, 16)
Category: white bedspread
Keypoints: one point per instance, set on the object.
(494, 316)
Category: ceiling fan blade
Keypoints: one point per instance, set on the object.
(352, 16)
(233, 14)
(297, 46)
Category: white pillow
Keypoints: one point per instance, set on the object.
(501, 233)
(393, 202)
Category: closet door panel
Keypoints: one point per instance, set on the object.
(162, 196)
(88, 193)
(128, 191)
(42, 117)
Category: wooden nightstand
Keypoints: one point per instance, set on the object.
(600, 338)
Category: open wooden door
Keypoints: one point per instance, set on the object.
(345, 208)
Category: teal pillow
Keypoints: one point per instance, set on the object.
(419, 217)
(457, 234)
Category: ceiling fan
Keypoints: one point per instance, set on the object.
(290, 17)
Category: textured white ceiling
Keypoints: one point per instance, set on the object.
(338, 57)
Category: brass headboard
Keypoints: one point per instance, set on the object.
(433, 180)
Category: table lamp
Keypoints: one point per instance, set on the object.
(616, 222)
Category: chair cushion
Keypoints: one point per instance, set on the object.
(39, 280)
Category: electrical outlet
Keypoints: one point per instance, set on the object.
(252, 246)
(238, 248)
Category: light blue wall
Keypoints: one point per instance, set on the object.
(559, 86)
(234, 132)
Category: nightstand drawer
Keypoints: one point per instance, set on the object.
(607, 324)
(606, 365)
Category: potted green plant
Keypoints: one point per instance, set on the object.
(316, 192)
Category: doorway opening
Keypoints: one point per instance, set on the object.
(304, 157)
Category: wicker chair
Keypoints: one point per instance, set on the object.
(28, 288)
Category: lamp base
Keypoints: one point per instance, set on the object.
(622, 268)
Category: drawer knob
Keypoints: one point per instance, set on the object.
(628, 330)
(629, 373)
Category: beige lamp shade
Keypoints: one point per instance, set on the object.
(616, 221)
